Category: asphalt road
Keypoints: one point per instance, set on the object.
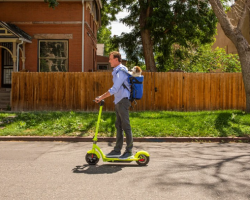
(190, 171)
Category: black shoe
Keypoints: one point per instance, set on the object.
(125, 155)
(113, 154)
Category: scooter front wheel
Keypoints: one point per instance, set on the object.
(91, 159)
(143, 160)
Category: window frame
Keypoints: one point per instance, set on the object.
(52, 40)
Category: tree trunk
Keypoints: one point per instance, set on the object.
(147, 43)
(244, 53)
(235, 35)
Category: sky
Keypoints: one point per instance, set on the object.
(117, 28)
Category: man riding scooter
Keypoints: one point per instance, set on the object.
(122, 105)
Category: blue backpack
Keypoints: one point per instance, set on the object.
(136, 86)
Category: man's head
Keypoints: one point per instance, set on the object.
(115, 58)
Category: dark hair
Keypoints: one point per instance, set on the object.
(116, 54)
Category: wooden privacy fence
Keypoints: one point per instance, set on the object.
(162, 91)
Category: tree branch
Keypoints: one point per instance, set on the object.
(242, 15)
(224, 21)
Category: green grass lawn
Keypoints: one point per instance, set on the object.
(155, 124)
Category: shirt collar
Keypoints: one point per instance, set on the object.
(117, 67)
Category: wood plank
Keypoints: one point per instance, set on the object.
(15, 91)
(59, 90)
(226, 79)
(201, 87)
(25, 95)
(235, 91)
(218, 93)
(167, 91)
(77, 94)
(180, 78)
(83, 91)
(90, 90)
(160, 90)
(213, 91)
(184, 91)
(196, 77)
(96, 91)
(207, 87)
(55, 90)
(230, 91)
(72, 91)
(191, 92)
(222, 91)
(148, 101)
(50, 91)
(45, 91)
(153, 92)
(67, 91)
(243, 95)
(174, 88)
(21, 92)
(239, 105)
(28, 94)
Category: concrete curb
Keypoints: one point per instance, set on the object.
(112, 139)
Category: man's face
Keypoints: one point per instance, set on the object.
(113, 61)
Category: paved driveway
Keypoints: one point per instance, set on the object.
(190, 171)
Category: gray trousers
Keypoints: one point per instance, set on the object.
(123, 124)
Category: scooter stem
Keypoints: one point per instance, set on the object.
(98, 122)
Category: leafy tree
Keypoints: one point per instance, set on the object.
(104, 37)
(159, 24)
(201, 59)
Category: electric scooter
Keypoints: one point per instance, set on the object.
(92, 157)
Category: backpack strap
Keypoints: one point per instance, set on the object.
(126, 71)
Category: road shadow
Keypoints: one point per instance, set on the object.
(222, 169)
(102, 169)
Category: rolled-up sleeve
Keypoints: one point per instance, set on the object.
(119, 79)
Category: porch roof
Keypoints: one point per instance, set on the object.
(16, 31)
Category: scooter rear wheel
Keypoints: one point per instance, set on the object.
(91, 159)
(143, 160)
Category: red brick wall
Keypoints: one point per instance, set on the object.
(34, 12)
(75, 44)
(90, 42)
(39, 11)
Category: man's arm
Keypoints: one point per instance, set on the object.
(105, 95)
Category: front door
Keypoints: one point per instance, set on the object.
(7, 65)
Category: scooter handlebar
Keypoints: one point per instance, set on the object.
(101, 103)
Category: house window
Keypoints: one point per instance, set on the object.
(53, 56)
(103, 67)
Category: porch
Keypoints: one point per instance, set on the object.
(12, 58)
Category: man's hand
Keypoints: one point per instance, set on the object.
(97, 99)
(105, 95)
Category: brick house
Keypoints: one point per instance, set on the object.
(48, 40)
